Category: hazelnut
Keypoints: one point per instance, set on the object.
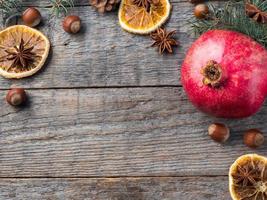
(201, 11)
(219, 132)
(195, 1)
(253, 138)
(31, 17)
(72, 24)
(16, 96)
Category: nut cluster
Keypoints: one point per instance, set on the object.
(32, 17)
(252, 138)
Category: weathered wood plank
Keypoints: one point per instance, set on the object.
(45, 3)
(200, 188)
(115, 132)
(105, 55)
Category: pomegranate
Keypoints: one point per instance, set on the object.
(225, 74)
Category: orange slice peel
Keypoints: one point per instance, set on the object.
(248, 178)
(141, 20)
(17, 40)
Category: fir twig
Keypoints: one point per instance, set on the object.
(261, 4)
(233, 17)
(9, 7)
(60, 7)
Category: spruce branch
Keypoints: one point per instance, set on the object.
(9, 7)
(232, 16)
(60, 7)
(261, 4)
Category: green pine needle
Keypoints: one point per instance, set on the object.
(261, 4)
(60, 7)
(233, 17)
(9, 7)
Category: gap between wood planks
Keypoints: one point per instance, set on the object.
(98, 87)
(109, 177)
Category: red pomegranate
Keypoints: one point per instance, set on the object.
(225, 74)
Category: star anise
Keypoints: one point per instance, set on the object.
(246, 176)
(255, 13)
(20, 55)
(145, 3)
(164, 40)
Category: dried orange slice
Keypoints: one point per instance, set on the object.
(23, 51)
(141, 19)
(248, 178)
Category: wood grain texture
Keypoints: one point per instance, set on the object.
(116, 189)
(115, 132)
(45, 3)
(103, 55)
(64, 142)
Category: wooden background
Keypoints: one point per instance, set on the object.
(108, 119)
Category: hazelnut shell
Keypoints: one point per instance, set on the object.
(72, 24)
(31, 17)
(195, 1)
(219, 132)
(253, 138)
(201, 11)
(16, 96)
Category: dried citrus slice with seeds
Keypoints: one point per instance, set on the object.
(142, 19)
(248, 178)
(23, 51)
